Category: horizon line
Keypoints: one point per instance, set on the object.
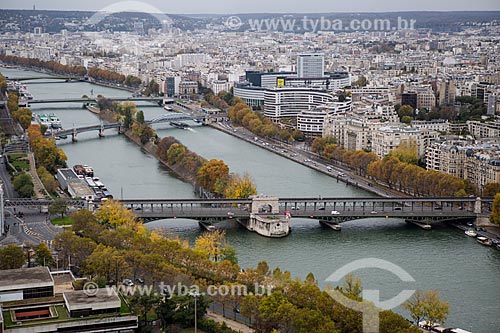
(266, 13)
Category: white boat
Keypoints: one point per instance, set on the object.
(43, 119)
(471, 233)
(55, 122)
(484, 241)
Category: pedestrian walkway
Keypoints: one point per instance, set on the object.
(234, 325)
(40, 191)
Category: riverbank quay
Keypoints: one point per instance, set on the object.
(302, 157)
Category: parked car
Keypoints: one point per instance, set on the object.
(334, 212)
(128, 283)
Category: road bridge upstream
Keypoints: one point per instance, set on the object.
(158, 100)
(171, 117)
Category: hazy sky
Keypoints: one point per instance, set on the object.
(260, 6)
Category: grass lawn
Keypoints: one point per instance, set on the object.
(21, 165)
(62, 221)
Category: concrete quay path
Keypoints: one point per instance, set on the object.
(234, 325)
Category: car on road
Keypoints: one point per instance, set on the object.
(341, 174)
(321, 208)
(334, 212)
(128, 283)
(397, 208)
(373, 212)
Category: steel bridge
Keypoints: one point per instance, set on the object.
(336, 210)
(102, 127)
(29, 78)
(158, 100)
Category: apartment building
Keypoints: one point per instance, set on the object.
(439, 125)
(480, 163)
(484, 129)
(388, 138)
(352, 133)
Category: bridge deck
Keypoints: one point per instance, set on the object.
(330, 209)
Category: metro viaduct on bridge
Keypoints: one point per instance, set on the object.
(336, 210)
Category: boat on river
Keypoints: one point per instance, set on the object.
(471, 233)
(484, 241)
(55, 122)
(179, 124)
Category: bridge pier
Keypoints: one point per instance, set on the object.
(421, 224)
(101, 130)
(333, 225)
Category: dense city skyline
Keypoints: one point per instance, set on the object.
(261, 6)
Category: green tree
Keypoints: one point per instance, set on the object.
(405, 111)
(495, 210)
(43, 257)
(12, 257)
(127, 120)
(59, 206)
(140, 117)
(175, 153)
(143, 304)
(180, 309)
(24, 185)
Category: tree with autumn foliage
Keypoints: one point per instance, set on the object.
(215, 246)
(319, 144)
(406, 152)
(47, 154)
(240, 187)
(211, 172)
(114, 214)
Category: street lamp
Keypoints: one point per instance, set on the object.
(195, 294)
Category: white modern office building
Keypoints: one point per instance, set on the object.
(289, 102)
(310, 65)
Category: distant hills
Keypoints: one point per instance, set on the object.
(54, 21)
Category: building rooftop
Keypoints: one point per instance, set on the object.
(97, 299)
(25, 278)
